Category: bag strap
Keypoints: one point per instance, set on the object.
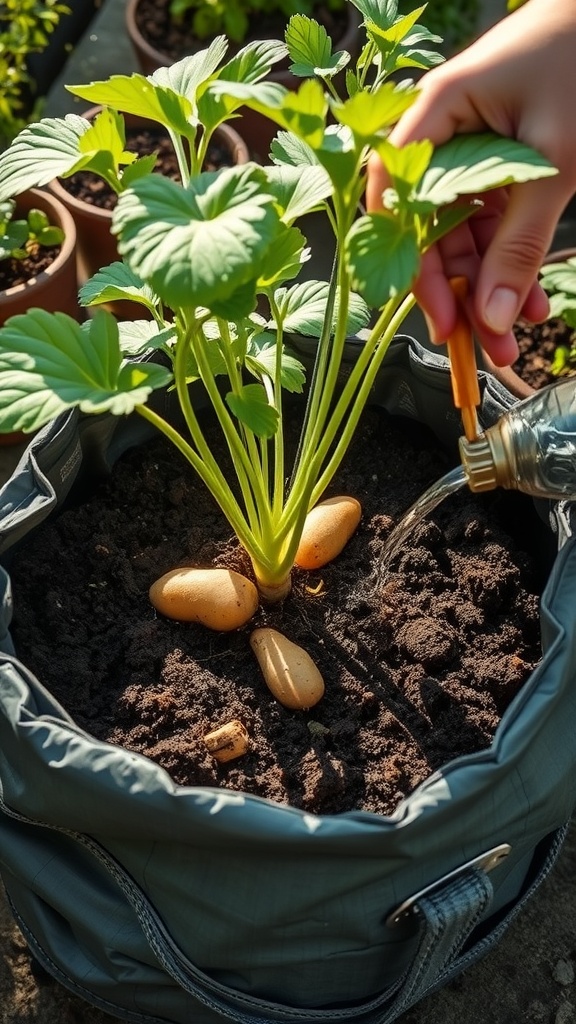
(446, 916)
(447, 912)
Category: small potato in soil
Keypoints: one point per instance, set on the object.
(227, 742)
(218, 598)
(327, 529)
(288, 670)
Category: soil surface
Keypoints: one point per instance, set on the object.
(175, 39)
(90, 188)
(537, 344)
(15, 272)
(419, 661)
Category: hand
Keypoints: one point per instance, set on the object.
(519, 80)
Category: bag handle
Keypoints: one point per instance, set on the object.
(447, 913)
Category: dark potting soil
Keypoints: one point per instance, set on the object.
(15, 272)
(418, 670)
(175, 39)
(537, 344)
(89, 188)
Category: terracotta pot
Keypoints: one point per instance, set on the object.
(96, 245)
(256, 129)
(54, 289)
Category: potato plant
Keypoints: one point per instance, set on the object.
(223, 246)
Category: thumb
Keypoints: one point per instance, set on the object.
(510, 265)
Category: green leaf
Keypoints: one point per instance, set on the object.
(197, 246)
(310, 49)
(382, 257)
(261, 361)
(187, 75)
(252, 408)
(253, 62)
(50, 363)
(288, 149)
(303, 309)
(305, 112)
(560, 276)
(298, 190)
(44, 150)
(137, 337)
(285, 257)
(117, 282)
(135, 94)
(406, 164)
(340, 156)
(368, 113)
(474, 163)
(382, 12)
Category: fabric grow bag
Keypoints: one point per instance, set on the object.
(160, 903)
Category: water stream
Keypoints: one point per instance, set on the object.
(425, 504)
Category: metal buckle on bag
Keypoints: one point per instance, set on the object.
(485, 861)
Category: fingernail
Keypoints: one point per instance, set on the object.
(501, 310)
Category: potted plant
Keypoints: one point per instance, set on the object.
(161, 33)
(292, 884)
(37, 260)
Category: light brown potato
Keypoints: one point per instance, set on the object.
(328, 528)
(218, 598)
(289, 672)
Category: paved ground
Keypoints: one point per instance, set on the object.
(528, 978)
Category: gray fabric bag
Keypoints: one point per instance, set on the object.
(160, 903)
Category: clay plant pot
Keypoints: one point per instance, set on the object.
(54, 289)
(256, 130)
(96, 245)
(159, 901)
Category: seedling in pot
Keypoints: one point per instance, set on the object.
(23, 237)
(220, 244)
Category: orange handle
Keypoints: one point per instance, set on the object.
(465, 387)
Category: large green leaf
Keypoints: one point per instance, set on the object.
(298, 190)
(50, 363)
(135, 94)
(252, 63)
(197, 246)
(44, 150)
(252, 408)
(304, 309)
(310, 49)
(115, 282)
(382, 257)
(475, 163)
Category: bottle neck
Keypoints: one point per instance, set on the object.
(490, 460)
